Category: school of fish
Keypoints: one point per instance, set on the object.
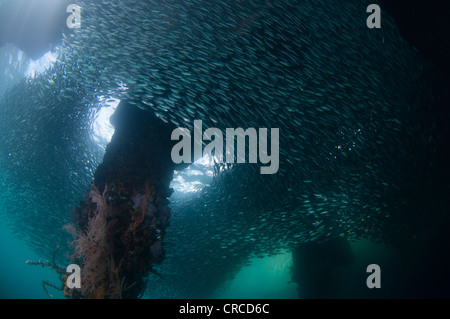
(350, 103)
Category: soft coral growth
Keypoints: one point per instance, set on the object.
(92, 246)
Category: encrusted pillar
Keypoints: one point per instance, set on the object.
(120, 225)
(314, 264)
